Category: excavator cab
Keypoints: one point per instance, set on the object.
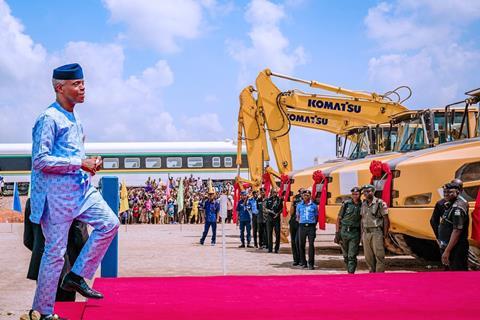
(415, 130)
(357, 143)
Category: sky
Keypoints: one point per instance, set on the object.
(173, 70)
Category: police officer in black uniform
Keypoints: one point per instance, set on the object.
(261, 220)
(348, 229)
(453, 230)
(293, 223)
(273, 207)
(440, 207)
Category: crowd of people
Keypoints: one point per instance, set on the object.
(173, 201)
(359, 220)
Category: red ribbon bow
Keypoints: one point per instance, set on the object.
(319, 178)
(267, 183)
(381, 171)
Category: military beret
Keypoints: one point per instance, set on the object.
(243, 193)
(368, 186)
(71, 71)
(356, 189)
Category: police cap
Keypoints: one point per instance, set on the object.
(452, 186)
(307, 190)
(356, 189)
(368, 186)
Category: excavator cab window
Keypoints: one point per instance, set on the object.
(411, 136)
(387, 138)
(439, 128)
(358, 145)
(455, 124)
(341, 143)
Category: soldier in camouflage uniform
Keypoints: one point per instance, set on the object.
(348, 229)
(375, 224)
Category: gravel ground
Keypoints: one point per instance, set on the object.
(173, 250)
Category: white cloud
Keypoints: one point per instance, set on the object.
(269, 47)
(18, 52)
(423, 44)
(208, 123)
(117, 107)
(161, 24)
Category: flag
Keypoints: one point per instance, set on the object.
(123, 198)
(180, 196)
(17, 205)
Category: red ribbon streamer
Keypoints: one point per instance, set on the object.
(378, 170)
(267, 183)
(476, 219)
(285, 187)
(236, 199)
(319, 178)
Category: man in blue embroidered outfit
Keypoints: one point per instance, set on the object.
(61, 191)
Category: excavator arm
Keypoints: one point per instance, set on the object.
(334, 114)
(251, 129)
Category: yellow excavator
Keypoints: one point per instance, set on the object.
(416, 130)
(415, 181)
(253, 130)
(351, 114)
(281, 110)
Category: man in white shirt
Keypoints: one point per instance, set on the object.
(223, 199)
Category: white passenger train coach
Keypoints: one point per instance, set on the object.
(134, 162)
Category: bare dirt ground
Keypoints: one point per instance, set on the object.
(173, 250)
(8, 215)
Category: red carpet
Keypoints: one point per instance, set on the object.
(70, 310)
(368, 296)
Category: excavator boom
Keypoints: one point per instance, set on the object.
(283, 109)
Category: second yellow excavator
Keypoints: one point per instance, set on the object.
(350, 114)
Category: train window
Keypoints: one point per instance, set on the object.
(216, 162)
(110, 163)
(195, 162)
(132, 163)
(153, 162)
(228, 162)
(174, 162)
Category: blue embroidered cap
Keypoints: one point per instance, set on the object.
(71, 71)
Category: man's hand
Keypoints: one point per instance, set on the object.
(337, 238)
(92, 165)
(98, 162)
(446, 258)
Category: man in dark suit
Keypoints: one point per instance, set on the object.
(273, 207)
(34, 240)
